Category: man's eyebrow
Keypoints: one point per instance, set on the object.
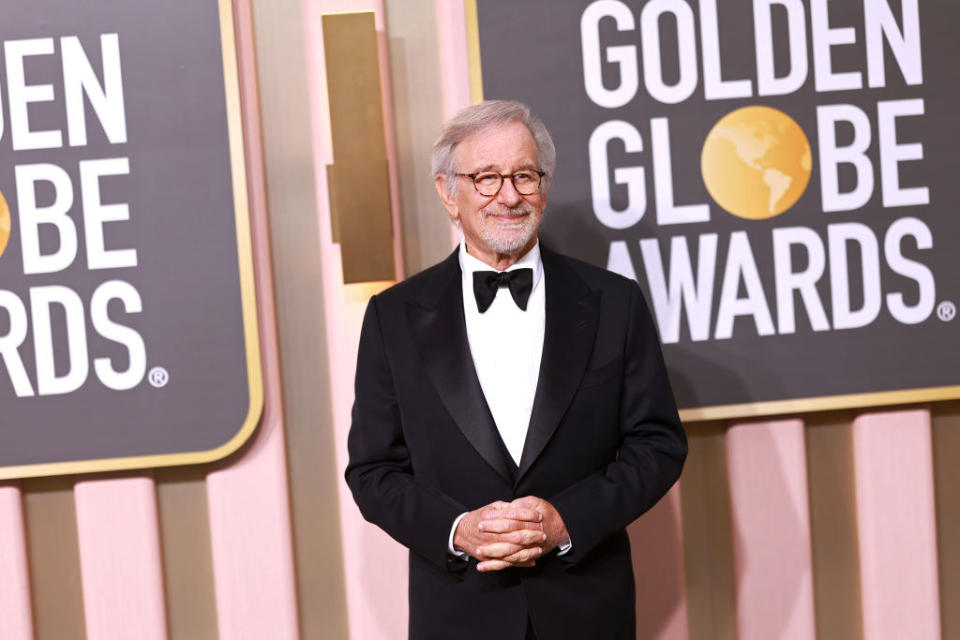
(492, 168)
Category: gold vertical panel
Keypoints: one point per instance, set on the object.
(833, 526)
(53, 555)
(473, 50)
(359, 175)
(187, 556)
(708, 535)
(946, 452)
(301, 333)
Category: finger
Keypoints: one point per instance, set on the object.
(503, 526)
(498, 565)
(524, 555)
(526, 502)
(497, 510)
(513, 513)
(492, 565)
(498, 550)
(525, 515)
(523, 537)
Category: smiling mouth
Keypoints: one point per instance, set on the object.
(507, 216)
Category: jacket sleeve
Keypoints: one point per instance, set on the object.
(379, 472)
(652, 450)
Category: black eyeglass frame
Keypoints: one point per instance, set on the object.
(503, 177)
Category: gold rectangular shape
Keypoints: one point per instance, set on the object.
(359, 178)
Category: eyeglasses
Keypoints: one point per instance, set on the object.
(489, 183)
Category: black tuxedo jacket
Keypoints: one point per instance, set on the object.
(603, 445)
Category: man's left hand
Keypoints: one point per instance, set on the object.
(500, 555)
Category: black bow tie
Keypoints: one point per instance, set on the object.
(486, 284)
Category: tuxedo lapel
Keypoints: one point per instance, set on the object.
(439, 329)
(572, 311)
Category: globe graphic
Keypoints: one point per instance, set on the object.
(4, 224)
(756, 162)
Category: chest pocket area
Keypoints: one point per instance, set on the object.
(602, 374)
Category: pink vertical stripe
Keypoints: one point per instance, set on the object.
(893, 464)
(248, 500)
(454, 65)
(15, 613)
(771, 528)
(375, 566)
(656, 542)
(119, 540)
(454, 61)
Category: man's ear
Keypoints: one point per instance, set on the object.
(440, 182)
(544, 187)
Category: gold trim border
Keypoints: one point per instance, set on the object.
(865, 400)
(747, 409)
(473, 50)
(248, 300)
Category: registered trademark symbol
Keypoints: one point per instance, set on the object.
(158, 377)
(946, 311)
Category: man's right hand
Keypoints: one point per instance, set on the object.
(500, 535)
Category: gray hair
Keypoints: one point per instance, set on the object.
(476, 118)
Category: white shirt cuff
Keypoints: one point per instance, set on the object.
(453, 529)
(565, 547)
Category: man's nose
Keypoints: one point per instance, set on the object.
(508, 193)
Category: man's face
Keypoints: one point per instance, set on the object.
(497, 229)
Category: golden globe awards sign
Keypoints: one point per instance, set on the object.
(127, 320)
(778, 175)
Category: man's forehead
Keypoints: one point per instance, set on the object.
(499, 146)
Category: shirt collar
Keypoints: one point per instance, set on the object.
(530, 260)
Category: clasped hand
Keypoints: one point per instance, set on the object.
(510, 534)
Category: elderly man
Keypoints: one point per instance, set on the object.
(512, 411)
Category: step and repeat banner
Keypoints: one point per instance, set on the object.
(128, 332)
(778, 175)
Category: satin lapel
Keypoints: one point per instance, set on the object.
(439, 330)
(572, 311)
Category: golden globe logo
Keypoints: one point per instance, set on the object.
(4, 224)
(756, 162)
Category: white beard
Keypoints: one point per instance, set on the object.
(508, 240)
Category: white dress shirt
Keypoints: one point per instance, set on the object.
(506, 343)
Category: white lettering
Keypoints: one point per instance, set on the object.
(832, 156)
(95, 214)
(714, 86)
(123, 291)
(624, 56)
(31, 216)
(618, 260)
(48, 382)
(681, 291)
(79, 79)
(891, 153)
(768, 84)
(892, 248)
(21, 95)
(10, 343)
(838, 235)
(667, 211)
(633, 177)
(804, 282)
(742, 267)
(880, 25)
(657, 87)
(824, 38)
